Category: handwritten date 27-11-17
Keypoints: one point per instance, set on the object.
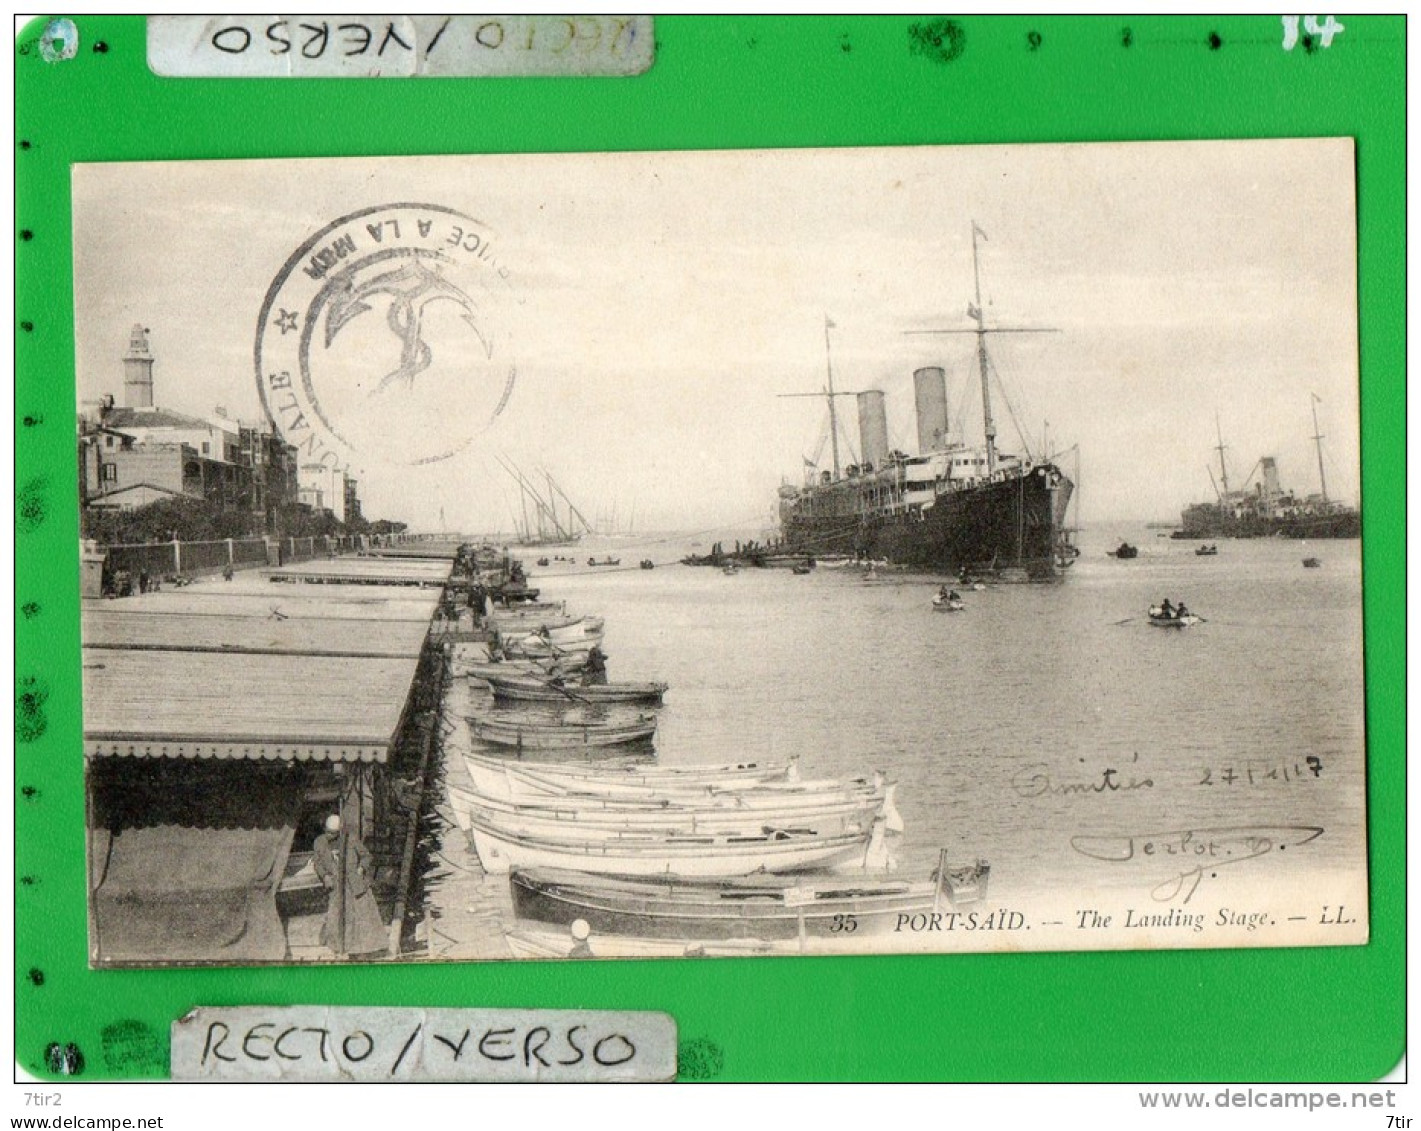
(1262, 772)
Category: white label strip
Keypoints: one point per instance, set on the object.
(306, 1044)
(264, 47)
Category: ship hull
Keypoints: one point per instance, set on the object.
(1207, 522)
(1012, 524)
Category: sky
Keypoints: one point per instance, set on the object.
(656, 305)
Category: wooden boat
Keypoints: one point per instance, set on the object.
(580, 820)
(538, 690)
(948, 605)
(501, 847)
(618, 786)
(1311, 563)
(567, 630)
(1124, 551)
(758, 907)
(530, 784)
(530, 609)
(1159, 620)
(527, 735)
(535, 648)
(607, 561)
(545, 942)
(500, 777)
(1206, 551)
(801, 570)
(647, 563)
(482, 671)
(965, 884)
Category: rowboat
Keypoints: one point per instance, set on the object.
(1159, 620)
(948, 606)
(690, 854)
(538, 690)
(530, 609)
(543, 942)
(542, 784)
(592, 819)
(532, 648)
(498, 777)
(559, 629)
(527, 735)
(965, 884)
(758, 907)
(483, 671)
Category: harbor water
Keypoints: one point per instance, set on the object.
(1038, 719)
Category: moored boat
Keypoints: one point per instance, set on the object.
(501, 847)
(598, 819)
(545, 942)
(534, 689)
(528, 735)
(759, 907)
(499, 777)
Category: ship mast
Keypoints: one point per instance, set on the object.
(829, 393)
(974, 311)
(1223, 470)
(989, 428)
(833, 414)
(1317, 438)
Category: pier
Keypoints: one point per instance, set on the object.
(226, 721)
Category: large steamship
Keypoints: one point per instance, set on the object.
(954, 506)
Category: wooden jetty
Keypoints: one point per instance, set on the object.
(224, 721)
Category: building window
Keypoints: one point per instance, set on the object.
(108, 441)
(108, 472)
(206, 448)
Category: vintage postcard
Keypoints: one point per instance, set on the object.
(721, 553)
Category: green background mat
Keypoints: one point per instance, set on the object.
(727, 82)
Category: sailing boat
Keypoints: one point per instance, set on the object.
(952, 507)
(548, 525)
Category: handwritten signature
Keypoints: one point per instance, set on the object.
(1208, 850)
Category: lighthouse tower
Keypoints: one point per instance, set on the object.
(138, 371)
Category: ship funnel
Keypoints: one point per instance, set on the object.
(930, 393)
(873, 428)
(1271, 490)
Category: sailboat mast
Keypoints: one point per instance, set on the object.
(1223, 469)
(833, 414)
(989, 428)
(1317, 438)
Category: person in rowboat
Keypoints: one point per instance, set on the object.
(1180, 612)
(1166, 610)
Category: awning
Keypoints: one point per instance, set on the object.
(215, 705)
(187, 859)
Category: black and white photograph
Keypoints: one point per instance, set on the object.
(721, 553)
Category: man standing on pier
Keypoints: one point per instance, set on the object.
(364, 934)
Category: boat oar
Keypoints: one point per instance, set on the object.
(583, 699)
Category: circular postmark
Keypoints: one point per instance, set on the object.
(383, 338)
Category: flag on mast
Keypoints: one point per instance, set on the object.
(829, 323)
(977, 229)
